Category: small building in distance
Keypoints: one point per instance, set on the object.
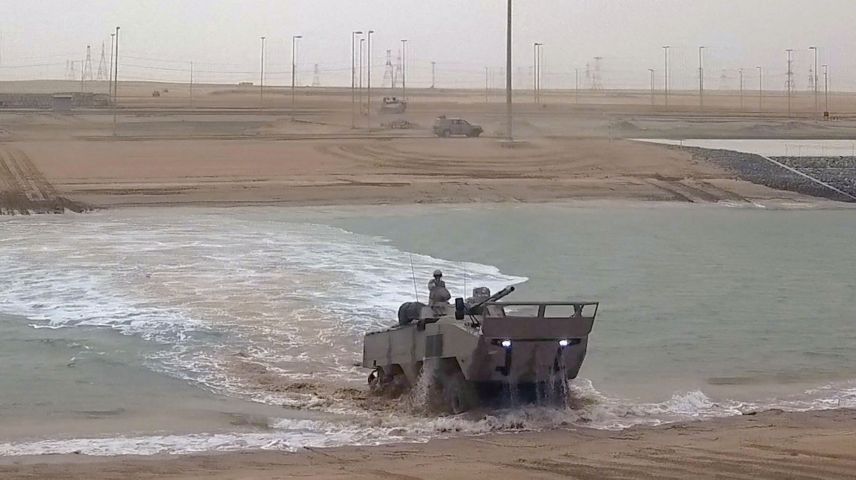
(57, 101)
(63, 102)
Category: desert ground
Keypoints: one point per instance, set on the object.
(769, 445)
(227, 146)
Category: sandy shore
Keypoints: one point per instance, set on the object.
(227, 150)
(770, 445)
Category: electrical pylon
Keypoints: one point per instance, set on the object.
(102, 65)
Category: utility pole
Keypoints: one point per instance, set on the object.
(110, 67)
(486, 85)
(701, 78)
(509, 113)
(294, 40)
(116, 84)
(816, 112)
(790, 81)
(666, 75)
(652, 86)
(535, 46)
(362, 41)
(576, 85)
(262, 76)
(191, 84)
(353, 77)
(404, 70)
(740, 71)
(826, 89)
(433, 74)
(760, 89)
(369, 80)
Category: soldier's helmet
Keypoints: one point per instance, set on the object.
(438, 273)
(481, 292)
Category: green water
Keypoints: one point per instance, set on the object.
(741, 303)
(170, 315)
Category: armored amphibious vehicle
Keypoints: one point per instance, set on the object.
(476, 349)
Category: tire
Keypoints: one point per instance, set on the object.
(446, 134)
(459, 395)
(375, 386)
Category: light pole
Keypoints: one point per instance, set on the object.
(509, 114)
(538, 57)
(294, 40)
(576, 85)
(826, 89)
(486, 85)
(652, 86)
(191, 84)
(535, 46)
(404, 70)
(540, 68)
(110, 66)
(262, 75)
(815, 80)
(369, 79)
(760, 89)
(116, 84)
(740, 71)
(701, 78)
(354, 78)
(362, 41)
(433, 74)
(666, 75)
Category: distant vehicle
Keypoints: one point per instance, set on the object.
(392, 105)
(447, 127)
(478, 348)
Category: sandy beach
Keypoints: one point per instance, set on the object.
(225, 150)
(769, 445)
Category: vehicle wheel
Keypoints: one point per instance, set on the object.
(446, 134)
(477, 134)
(460, 396)
(375, 381)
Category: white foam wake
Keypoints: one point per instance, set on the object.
(231, 296)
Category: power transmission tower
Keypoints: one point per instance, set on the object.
(389, 73)
(789, 84)
(589, 75)
(723, 80)
(102, 65)
(811, 77)
(597, 80)
(398, 71)
(87, 65)
(316, 79)
(789, 81)
(72, 70)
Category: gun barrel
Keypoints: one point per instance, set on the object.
(496, 296)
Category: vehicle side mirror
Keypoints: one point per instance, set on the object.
(460, 309)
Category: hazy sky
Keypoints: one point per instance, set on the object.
(161, 37)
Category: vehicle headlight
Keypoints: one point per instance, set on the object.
(506, 343)
(564, 343)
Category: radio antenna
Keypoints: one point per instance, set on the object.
(413, 272)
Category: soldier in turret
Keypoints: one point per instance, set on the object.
(437, 292)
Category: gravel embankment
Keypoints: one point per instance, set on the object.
(840, 172)
(756, 169)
